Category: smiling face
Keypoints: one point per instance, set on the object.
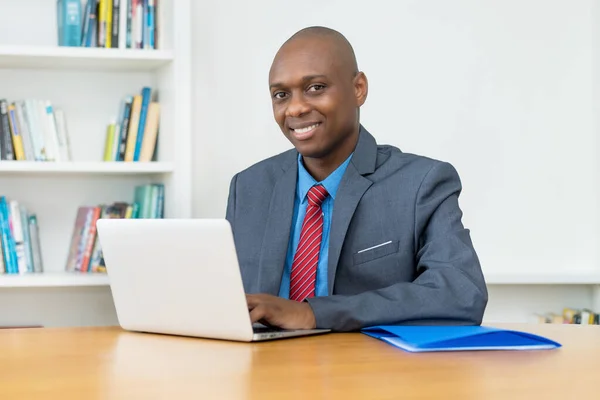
(316, 94)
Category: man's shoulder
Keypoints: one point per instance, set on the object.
(391, 158)
(273, 166)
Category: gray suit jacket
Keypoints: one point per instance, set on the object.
(427, 272)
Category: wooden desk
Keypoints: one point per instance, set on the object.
(108, 363)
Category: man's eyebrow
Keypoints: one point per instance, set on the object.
(306, 78)
(312, 77)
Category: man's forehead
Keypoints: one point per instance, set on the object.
(303, 60)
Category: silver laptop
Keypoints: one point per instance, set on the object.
(180, 277)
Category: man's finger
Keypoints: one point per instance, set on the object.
(257, 313)
(252, 301)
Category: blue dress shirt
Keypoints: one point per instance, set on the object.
(304, 183)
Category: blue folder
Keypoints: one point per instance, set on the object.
(458, 338)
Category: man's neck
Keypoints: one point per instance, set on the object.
(321, 168)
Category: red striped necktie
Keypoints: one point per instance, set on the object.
(306, 259)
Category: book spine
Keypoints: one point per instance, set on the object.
(18, 236)
(37, 138)
(150, 23)
(118, 128)
(76, 238)
(16, 133)
(97, 251)
(116, 23)
(160, 201)
(2, 139)
(146, 94)
(85, 30)
(109, 18)
(134, 121)
(108, 144)
(27, 239)
(60, 22)
(150, 132)
(129, 24)
(50, 131)
(153, 201)
(123, 24)
(25, 131)
(124, 128)
(91, 238)
(102, 6)
(92, 34)
(2, 264)
(34, 232)
(8, 153)
(8, 244)
(138, 24)
(69, 20)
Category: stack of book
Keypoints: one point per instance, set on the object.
(123, 24)
(85, 252)
(133, 134)
(569, 316)
(19, 239)
(33, 130)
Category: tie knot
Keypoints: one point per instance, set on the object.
(316, 195)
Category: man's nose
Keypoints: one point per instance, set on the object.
(297, 107)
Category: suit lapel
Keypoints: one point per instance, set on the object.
(352, 187)
(277, 234)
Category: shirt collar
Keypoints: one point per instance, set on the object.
(331, 183)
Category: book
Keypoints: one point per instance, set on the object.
(457, 338)
(69, 22)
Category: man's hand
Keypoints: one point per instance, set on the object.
(275, 311)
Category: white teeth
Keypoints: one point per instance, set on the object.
(307, 129)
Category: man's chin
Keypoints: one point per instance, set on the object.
(311, 151)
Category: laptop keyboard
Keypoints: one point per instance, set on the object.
(266, 329)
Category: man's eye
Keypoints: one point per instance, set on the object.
(279, 95)
(316, 87)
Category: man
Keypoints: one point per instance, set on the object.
(339, 232)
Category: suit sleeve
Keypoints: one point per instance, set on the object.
(449, 288)
(230, 212)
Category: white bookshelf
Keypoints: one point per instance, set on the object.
(53, 280)
(91, 167)
(74, 58)
(88, 84)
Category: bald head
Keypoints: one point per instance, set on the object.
(334, 40)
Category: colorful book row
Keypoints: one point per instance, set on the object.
(133, 134)
(33, 130)
(85, 252)
(570, 316)
(19, 239)
(123, 24)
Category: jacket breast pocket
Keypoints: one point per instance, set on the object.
(377, 251)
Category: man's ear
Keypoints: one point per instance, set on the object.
(361, 88)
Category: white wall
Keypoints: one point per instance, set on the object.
(501, 89)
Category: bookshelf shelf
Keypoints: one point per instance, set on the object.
(53, 279)
(574, 278)
(86, 167)
(77, 58)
